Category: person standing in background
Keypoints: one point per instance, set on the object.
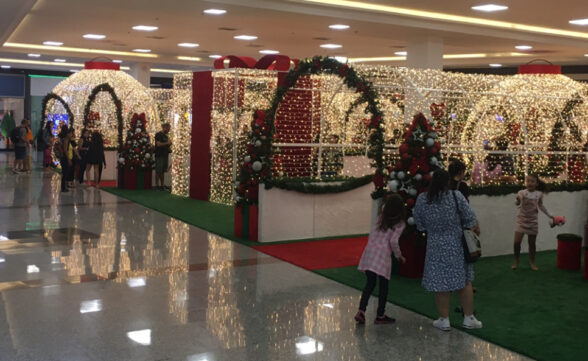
(47, 136)
(29, 146)
(64, 149)
(162, 150)
(95, 157)
(83, 147)
(19, 138)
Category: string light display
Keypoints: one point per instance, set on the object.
(181, 133)
(77, 87)
(162, 109)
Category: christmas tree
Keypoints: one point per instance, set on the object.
(419, 158)
(137, 151)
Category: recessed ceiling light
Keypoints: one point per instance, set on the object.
(215, 56)
(94, 36)
(331, 46)
(579, 22)
(188, 45)
(215, 11)
(586, 55)
(524, 47)
(489, 8)
(34, 55)
(73, 70)
(339, 27)
(117, 61)
(101, 52)
(401, 53)
(53, 43)
(268, 51)
(245, 37)
(142, 50)
(496, 65)
(145, 28)
(189, 58)
(60, 60)
(5, 66)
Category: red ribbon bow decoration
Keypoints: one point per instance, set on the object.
(268, 62)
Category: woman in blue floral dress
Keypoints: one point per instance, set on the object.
(446, 271)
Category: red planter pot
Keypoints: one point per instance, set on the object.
(134, 178)
(414, 251)
(246, 222)
(569, 252)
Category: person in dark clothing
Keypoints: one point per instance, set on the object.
(95, 157)
(162, 150)
(83, 147)
(66, 155)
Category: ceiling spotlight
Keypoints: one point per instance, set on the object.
(34, 55)
(401, 53)
(145, 28)
(215, 56)
(489, 8)
(215, 11)
(189, 58)
(117, 61)
(245, 37)
(496, 65)
(94, 36)
(267, 51)
(339, 27)
(5, 66)
(331, 46)
(188, 45)
(579, 22)
(142, 50)
(524, 47)
(53, 43)
(74, 71)
(59, 60)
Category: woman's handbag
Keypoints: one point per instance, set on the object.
(472, 247)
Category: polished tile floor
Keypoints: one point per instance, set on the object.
(86, 275)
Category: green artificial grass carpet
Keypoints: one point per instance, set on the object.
(543, 315)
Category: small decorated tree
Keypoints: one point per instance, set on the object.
(137, 151)
(410, 176)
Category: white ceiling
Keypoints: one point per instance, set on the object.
(290, 26)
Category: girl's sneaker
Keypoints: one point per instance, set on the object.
(384, 320)
(442, 324)
(360, 317)
(471, 322)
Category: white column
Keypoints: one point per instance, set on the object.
(424, 52)
(142, 73)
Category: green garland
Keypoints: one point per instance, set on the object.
(46, 100)
(105, 87)
(314, 186)
(257, 164)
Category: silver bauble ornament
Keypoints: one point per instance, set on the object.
(430, 142)
(410, 221)
(257, 166)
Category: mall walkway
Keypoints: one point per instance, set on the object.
(88, 276)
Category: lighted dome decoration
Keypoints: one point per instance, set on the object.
(75, 90)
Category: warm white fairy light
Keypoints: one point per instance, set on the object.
(181, 133)
(78, 86)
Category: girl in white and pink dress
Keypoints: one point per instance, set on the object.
(376, 260)
(529, 200)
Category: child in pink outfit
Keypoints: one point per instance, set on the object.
(376, 260)
(529, 200)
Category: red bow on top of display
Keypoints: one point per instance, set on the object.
(137, 117)
(268, 62)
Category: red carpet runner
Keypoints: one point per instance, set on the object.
(315, 255)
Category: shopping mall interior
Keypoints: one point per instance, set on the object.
(198, 180)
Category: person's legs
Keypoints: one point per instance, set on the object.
(367, 290)
(466, 298)
(442, 300)
(383, 295)
(81, 171)
(532, 250)
(64, 171)
(96, 176)
(518, 238)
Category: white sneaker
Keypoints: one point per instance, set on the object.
(442, 324)
(471, 322)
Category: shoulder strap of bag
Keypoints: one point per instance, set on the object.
(457, 206)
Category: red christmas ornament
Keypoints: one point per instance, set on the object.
(410, 203)
(343, 70)
(378, 180)
(403, 148)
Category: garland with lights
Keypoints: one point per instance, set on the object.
(46, 100)
(105, 87)
(257, 164)
(314, 186)
(420, 156)
(137, 151)
(556, 161)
